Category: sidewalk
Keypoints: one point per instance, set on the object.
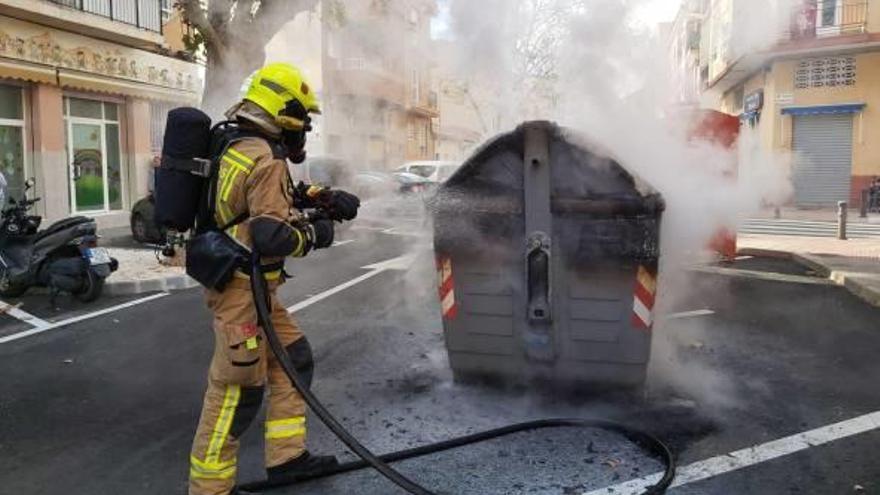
(816, 215)
(854, 264)
(139, 268)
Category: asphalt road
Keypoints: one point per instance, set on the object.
(108, 404)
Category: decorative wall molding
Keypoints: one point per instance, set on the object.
(46, 46)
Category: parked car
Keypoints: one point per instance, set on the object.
(324, 170)
(412, 183)
(433, 171)
(143, 227)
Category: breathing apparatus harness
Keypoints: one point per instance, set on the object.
(263, 305)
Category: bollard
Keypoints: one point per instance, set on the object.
(863, 206)
(841, 220)
(777, 214)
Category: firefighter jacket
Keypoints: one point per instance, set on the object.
(253, 179)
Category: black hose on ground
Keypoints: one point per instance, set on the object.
(263, 303)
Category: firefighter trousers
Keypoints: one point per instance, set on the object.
(242, 369)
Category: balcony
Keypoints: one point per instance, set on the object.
(817, 27)
(135, 23)
(425, 107)
(145, 14)
(364, 78)
(822, 18)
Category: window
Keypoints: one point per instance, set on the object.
(12, 139)
(829, 13)
(826, 72)
(166, 10)
(422, 170)
(415, 90)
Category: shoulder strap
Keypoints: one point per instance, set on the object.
(224, 135)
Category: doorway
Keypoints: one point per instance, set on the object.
(94, 172)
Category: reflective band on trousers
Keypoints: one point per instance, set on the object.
(224, 423)
(208, 470)
(286, 428)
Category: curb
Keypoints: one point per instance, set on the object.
(764, 253)
(758, 275)
(164, 284)
(863, 291)
(851, 281)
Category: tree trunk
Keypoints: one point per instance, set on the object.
(225, 74)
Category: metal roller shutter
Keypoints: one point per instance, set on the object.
(823, 159)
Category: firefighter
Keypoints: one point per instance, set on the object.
(254, 186)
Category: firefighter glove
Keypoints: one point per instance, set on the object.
(342, 205)
(320, 233)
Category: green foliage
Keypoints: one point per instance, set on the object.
(337, 16)
(193, 41)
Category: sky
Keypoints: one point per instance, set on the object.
(651, 14)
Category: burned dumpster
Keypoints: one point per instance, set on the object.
(547, 255)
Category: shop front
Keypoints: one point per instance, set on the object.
(79, 115)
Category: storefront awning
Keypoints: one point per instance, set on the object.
(824, 109)
(15, 69)
(89, 82)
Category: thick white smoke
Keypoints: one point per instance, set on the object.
(611, 86)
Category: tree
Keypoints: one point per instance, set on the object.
(231, 35)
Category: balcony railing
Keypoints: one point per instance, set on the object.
(822, 18)
(145, 14)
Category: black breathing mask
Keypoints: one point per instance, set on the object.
(295, 123)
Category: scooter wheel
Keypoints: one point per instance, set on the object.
(13, 291)
(92, 287)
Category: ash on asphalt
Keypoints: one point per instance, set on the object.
(563, 461)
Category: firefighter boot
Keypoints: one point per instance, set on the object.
(304, 466)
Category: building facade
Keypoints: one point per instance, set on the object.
(807, 79)
(84, 87)
(379, 103)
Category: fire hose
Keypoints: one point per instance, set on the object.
(263, 303)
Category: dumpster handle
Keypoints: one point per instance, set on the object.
(259, 287)
(538, 277)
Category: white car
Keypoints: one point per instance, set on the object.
(433, 171)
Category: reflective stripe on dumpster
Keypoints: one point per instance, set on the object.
(643, 298)
(446, 288)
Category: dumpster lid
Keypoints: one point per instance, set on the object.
(587, 177)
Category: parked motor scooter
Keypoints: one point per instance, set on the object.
(63, 257)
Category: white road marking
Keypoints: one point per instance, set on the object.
(689, 314)
(743, 258)
(722, 464)
(22, 315)
(399, 263)
(342, 243)
(76, 319)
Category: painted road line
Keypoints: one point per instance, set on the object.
(690, 314)
(16, 312)
(723, 464)
(342, 243)
(76, 319)
(399, 263)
